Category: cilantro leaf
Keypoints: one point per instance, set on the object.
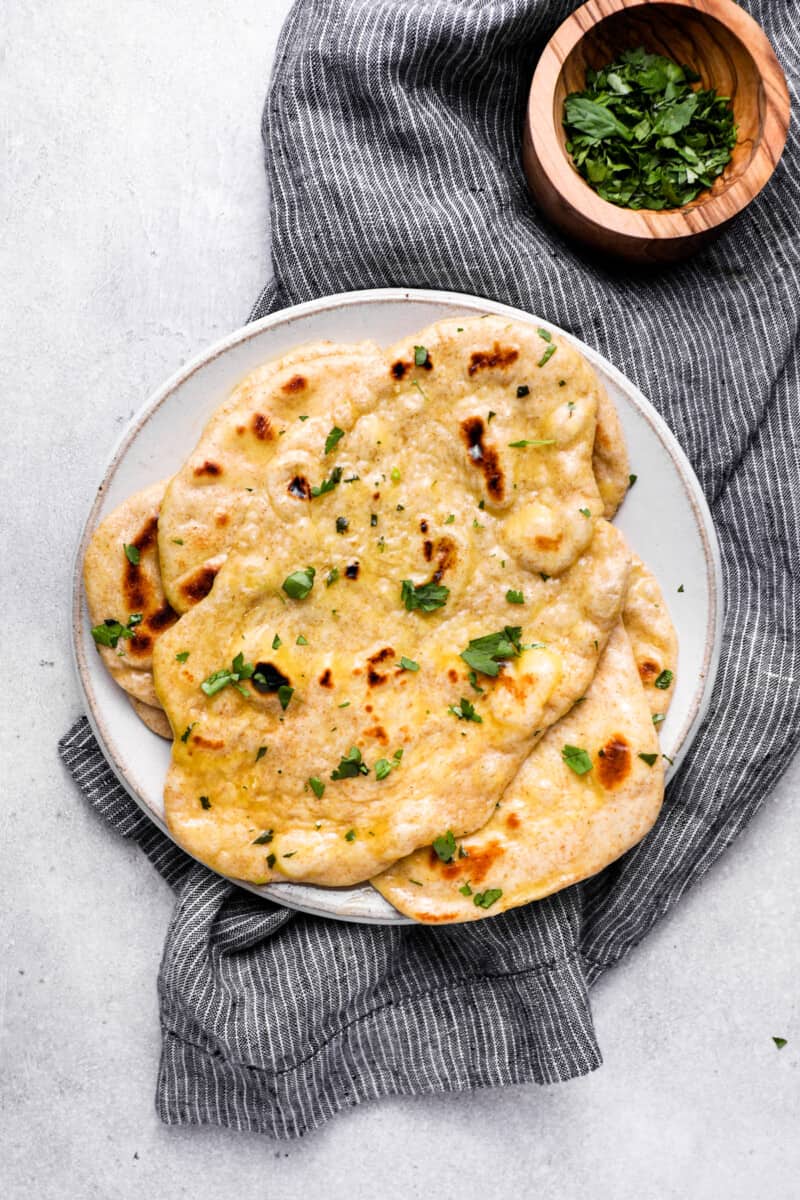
(486, 654)
(520, 445)
(445, 847)
(328, 484)
(488, 898)
(664, 680)
(132, 554)
(332, 440)
(350, 765)
(577, 759)
(424, 596)
(465, 711)
(299, 583)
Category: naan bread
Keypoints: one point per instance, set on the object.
(345, 651)
(432, 437)
(154, 718)
(117, 588)
(230, 439)
(610, 456)
(222, 496)
(553, 827)
(653, 638)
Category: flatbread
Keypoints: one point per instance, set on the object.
(116, 588)
(222, 496)
(652, 636)
(553, 827)
(154, 718)
(610, 456)
(409, 429)
(352, 689)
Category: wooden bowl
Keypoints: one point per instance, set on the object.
(729, 51)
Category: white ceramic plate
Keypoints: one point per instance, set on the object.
(664, 517)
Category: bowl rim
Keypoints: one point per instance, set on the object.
(646, 225)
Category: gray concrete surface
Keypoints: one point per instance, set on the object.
(134, 220)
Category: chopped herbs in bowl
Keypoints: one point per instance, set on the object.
(642, 137)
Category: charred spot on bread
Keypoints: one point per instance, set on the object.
(483, 456)
(197, 586)
(209, 468)
(614, 762)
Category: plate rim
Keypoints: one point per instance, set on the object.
(275, 893)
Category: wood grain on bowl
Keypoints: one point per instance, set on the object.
(729, 51)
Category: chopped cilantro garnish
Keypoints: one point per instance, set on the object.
(545, 335)
(648, 758)
(271, 860)
(304, 417)
(491, 414)
(465, 711)
(450, 519)
(205, 802)
(465, 890)
(632, 480)
(332, 576)
(342, 524)
(132, 554)
(420, 356)
(577, 759)
(264, 838)
(680, 589)
(262, 750)
(532, 442)
(664, 680)
(780, 1042)
(301, 641)
(177, 541)
(187, 731)
(514, 597)
(642, 137)
(276, 642)
(445, 847)
(285, 694)
(394, 474)
(425, 596)
(488, 898)
(110, 631)
(317, 786)
(350, 765)
(658, 718)
(585, 512)
(408, 664)
(473, 681)
(328, 484)
(485, 654)
(333, 438)
(350, 836)
(182, 656)
(548, 354)
(220, 679)
(299, 583)
(384, 766)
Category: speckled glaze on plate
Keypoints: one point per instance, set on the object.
(665, 518)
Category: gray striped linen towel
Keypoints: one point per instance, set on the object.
(392, 134)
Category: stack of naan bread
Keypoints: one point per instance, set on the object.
(383, 614)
